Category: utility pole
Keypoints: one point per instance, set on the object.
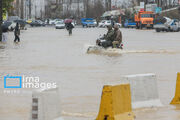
(1, 18)
(29, 9)
(22, 9)
(17, 7)
(109, 4)
(78, 9)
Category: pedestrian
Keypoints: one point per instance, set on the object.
(17, 33)
(4, 34)
(118, 37)
(69, 27)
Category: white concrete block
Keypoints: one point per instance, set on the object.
(19, 106)
(144, 90)
(49, 104)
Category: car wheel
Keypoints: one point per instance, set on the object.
(158, 30)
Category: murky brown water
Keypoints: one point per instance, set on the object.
(54, 56)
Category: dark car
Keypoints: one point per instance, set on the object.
(9, 25)
(35, 23)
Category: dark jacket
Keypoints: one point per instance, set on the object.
(17, 31)
(109, 36)
(69, 26)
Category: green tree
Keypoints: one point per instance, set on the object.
(5, 6)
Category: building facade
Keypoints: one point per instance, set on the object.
(41, 9)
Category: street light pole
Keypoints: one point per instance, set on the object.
(1, 19)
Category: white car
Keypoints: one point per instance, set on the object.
(119, 24)
(101, 23)
(105, 23)
(95, 22)
(52, 22)
(60, 25)
(12, 26)
(58, 20)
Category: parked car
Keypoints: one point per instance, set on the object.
(119, 24)
(101, 23)
(60, 25)
(58, 20)
(10, 25)
(129, 23)
(41, 22)
(29, 21)
(51, 22)
(105, 23)
(88, 22)
(95, 22)
(35, 23)
(168, 25)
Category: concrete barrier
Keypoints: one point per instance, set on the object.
(176, 99)
(46, 105)
(19, 104)
(116, 103)
(143, 90)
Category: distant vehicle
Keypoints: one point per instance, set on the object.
(95, 22)
(41, 22)
(129, 23)
(105, 23)
(60, 25)
(101, 23)
(119, 24)
(144, 19)
(88, 22)
(10, 25)
(29, 21)
(168, 25)
(51, 22)
(35, 23)
(58, 20)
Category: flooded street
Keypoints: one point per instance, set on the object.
(54, 56)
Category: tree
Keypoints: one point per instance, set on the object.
(5, 6)
(1, 19)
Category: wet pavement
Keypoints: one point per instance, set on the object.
(56, 57)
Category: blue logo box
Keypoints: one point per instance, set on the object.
(13, 78)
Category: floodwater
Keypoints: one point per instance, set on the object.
(54, 56)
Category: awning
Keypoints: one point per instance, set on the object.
(113, 13)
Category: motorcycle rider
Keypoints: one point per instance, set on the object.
(107, 40)
(118, 37)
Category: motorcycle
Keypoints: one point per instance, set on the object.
(99, 42)
(99, 46)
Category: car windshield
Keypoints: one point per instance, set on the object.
(147, 15)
